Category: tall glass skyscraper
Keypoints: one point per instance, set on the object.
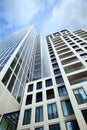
(43, 81)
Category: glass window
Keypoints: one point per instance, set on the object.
(53, 60)
(27, 117)
(29, 99)
(84, 112)
(80, 95)
(7, 76)
(59, 80)
(39, 97)
(39, 114)
(41, 128)
(39, 85)
(17, 69)
(13, 63)
(54, 127)
(67, 107)
(15, 91)
(52, 111)
(55, 65)
(30, 88)
(57, 71)
(50, 94)
(49, 82)
(62, 91)
(11, 83)
(72, 125)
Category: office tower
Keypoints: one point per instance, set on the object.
(59, 102)
(55, 86)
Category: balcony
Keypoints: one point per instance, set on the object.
(74, 67)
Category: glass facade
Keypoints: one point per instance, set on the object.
(72, 125)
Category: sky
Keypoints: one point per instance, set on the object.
(47, 16)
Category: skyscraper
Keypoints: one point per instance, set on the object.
(46, 80)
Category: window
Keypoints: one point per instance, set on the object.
(30, 88)
(17, 69)
(29, 99)
(54, 127)
(7, 76)
(79, 50)
(55, 65)
(11, 83)
(27, 117)
(84, 56)
(39, 97)
(13, 63)
(84, 112)
(57, 71)
(72, 125)
(62, 91)
(53, 60)
(39, 85)
(41, 128)
(52, 111)
(59, 80)
(50, 94)
(67, 107)
(80, 95)
(39, 114)
(49, 82)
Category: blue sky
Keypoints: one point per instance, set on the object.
(47, 15)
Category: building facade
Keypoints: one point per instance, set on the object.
(54, 87)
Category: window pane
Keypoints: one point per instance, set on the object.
(27, 117)
(54, 127)
(39, 114)
(84, 112)
(80, 95)
(49, 82)
(39, 85)
(30, 88)
(52, 111)
(29, 99)
(72, 125)
(50, 94)
(39, 97)
(67, 107)
(59, 80)
(41, 128)
(7, 76)
(62, 91)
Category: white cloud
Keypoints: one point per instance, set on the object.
(70, 14)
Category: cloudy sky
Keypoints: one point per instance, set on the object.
(47, 15)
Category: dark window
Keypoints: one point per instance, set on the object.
(39, 97)
(59, 80)
(50, 94)
(62, 91)
(49, 82)
(30, 88)
(7, 76)
(11, 83)
(72, 125)
(80, 95)
(17, 69)
(29, 99)
(84, 112)
(27, 117)
(39, 114)
(55, 65)
(52, 111)
(84, 55)
(39, 85)
(67, 107)
(57, 71)
(13, 63)
(54, 127)
(41, 128)
(53, 60)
